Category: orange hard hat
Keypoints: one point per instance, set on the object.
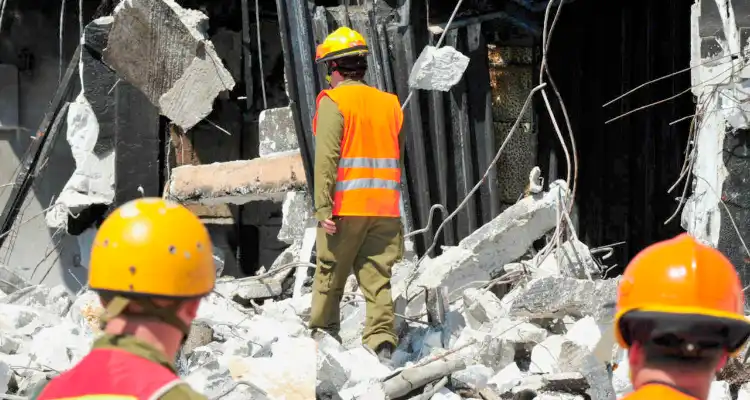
(688, 284)
(343, 42)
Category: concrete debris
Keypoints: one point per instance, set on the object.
(719, 391)
(555, 297)
(546, 335)
(189, 74)
(237, 182)
(297, 215)
(438, 69)
(277, 131)
(93, 181)
(481, 256)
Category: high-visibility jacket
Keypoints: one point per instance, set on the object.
(661, 391)
(111, 374)
(369, 174)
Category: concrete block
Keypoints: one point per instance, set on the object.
(438, 69)
(8, 97)
(162, 49)
(719, 391)
(554, 297)
(236, 182)
(277, 131)
(506, 379)
(297, 213)
(249, 289)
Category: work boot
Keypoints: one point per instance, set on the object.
(384, 352)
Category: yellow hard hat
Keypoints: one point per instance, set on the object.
(155, 247)
(343, 42)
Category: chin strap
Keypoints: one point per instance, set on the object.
(165, 314)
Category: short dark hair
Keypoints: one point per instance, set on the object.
(352, 67)
(658, 357)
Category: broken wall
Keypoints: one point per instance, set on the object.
(717, 211)
(30, 41)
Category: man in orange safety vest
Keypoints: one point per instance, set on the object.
(357, 191)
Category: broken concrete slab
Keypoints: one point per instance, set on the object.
(162, 49)
(277, 131)
(236, 182)
(246, 289)
(481, 256)
(438, 69)
(297, 214)
(555, 297)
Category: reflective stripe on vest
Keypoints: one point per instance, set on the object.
(111, 374)
(369, 175)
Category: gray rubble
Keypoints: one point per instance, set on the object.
(183, 75)
(276, 131)
(546, 335)
(438, 69)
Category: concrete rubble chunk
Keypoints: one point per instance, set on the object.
(575, 261)
(481, 306)
(277, 131)
(237, 182)
(297, 214)
(558, 396)
(506, 379)
(445, 394)
(487, 350)
(481, 256)
(247, 289)
(719, 391)
(162, 49)
(438, 69)
(556, 297)
(575, 358)
(744, 392)
(473, 377)
(93, 181)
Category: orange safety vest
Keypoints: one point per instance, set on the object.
(653, 391)
(368, 181)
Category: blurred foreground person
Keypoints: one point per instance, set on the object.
(680, 315)
(151, 264)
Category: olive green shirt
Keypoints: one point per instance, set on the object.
(328, 136)
(135, 346)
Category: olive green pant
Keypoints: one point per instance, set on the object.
(370, 246)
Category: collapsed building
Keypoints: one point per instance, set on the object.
(512, 298)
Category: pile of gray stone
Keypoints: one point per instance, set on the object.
(491, 318)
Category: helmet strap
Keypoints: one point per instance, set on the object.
(151, 310)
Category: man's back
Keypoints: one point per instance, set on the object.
(660, 391)
(121, 366)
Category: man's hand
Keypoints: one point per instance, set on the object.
(329, 226)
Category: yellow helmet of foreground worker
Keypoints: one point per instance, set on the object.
(343, 42)
(684, 289)
(152, 247)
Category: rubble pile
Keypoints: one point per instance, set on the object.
(491, 318)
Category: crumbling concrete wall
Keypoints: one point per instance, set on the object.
(717, 212)
(511, 78)
(30, 41)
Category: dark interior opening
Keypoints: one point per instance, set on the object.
(599, 50)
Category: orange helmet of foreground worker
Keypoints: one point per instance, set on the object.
(151, 248)
(681, 294)
(343, 42)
